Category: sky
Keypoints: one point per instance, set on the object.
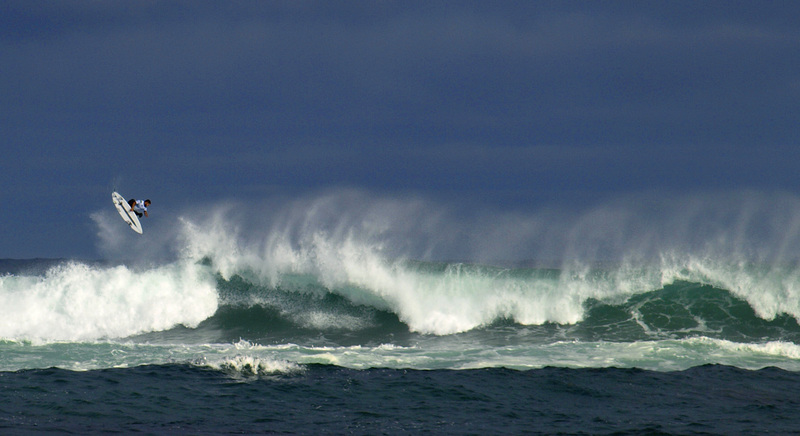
(508, 107)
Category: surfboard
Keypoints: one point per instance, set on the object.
(124, 210)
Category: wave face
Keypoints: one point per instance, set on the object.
(351, 280)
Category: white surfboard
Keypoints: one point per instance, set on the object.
(124, 210)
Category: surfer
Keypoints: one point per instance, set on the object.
(139, 207)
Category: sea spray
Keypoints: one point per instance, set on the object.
(345, 243)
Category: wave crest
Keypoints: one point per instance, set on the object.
(78, 302)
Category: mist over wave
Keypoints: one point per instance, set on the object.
(747, 226)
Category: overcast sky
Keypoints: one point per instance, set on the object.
(508, 106)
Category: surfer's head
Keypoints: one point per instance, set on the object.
(147, 202)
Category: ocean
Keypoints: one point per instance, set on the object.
(303, 328)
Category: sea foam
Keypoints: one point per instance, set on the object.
(78, 302)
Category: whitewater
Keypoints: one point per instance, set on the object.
(360, 281)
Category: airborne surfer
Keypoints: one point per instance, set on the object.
(139, 207)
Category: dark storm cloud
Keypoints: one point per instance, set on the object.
(564, 75)
(512, 102)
